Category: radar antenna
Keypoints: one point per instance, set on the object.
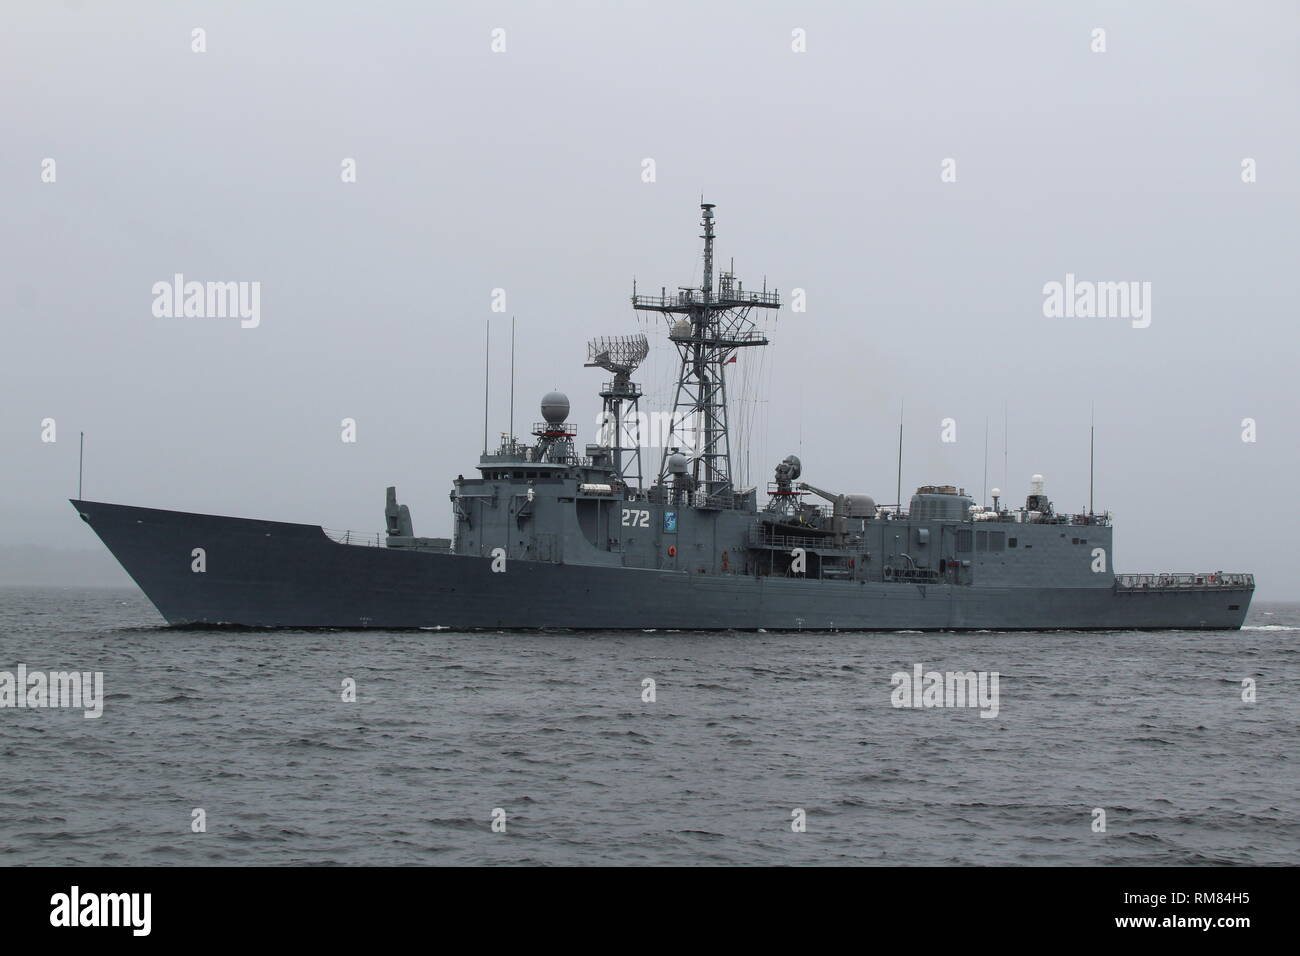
(708, 327)
(620, 429)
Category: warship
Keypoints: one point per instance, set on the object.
(548, 537)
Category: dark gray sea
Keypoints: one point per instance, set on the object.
(551, 728)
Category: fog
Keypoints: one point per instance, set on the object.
(524, 170)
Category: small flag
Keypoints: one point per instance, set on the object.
(730, 360)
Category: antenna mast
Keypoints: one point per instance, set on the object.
(1004, 444)
(487, 351)
(984, 495)
(898, 508)
(512, 382)
(1092, 442)
(710, 328)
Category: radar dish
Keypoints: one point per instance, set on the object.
(620, 354)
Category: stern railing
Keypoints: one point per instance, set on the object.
(1193, 580)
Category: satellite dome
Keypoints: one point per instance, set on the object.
(677, 464)
(997, 492)
(555, 407)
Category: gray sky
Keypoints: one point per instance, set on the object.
(523, 170)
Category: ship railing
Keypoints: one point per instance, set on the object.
(569, 460)
(1196, 580)
(788, 490)
(555, 430)
(525, 455)
(726, 337)
(363, 538)
(1097, 520)
(721, 501)
(1100, 520)
(679, 300)
(786, 541)
(511, 449)
(1020, 517)
(686, 298)
(746, 297)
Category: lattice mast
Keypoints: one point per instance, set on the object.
(620, 425)
(711, 329)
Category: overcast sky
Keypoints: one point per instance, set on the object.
(524, 170)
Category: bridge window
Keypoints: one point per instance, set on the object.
(1011, 542)
(963, 540)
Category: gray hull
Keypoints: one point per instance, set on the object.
(275, 574)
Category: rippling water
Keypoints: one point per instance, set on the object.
(551, 728)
